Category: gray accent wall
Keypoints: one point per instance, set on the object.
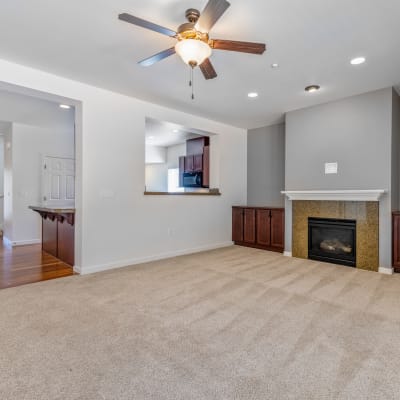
(356, 133)
(395, 151)
(266, 166)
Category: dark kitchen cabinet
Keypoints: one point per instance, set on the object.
(189, 164)
(249, 225)
(259, 227)
(198, 163)
(263, 222)
(237, 224)
(196, 145)
(206, 167)
(278, 229)
(396, 240)
(181, 170)
(197, 159)
(194, 163)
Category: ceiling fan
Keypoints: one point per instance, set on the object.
(194, 45)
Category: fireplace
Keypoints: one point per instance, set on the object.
(332, 240)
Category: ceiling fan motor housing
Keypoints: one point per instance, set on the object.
(188, 31)
(192, 15)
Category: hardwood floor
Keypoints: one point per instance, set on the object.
(28, 264)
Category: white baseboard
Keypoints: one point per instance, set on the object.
(11, 243)
(287, 253)
(125, 263)
(386, 270)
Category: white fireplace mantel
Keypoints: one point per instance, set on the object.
(339, 195)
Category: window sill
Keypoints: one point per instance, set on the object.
(208, 193)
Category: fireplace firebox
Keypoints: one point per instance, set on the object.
(332, 240)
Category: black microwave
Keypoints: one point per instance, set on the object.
(193, 179)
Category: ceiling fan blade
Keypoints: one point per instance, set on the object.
(146, 24)
(207, 69)
(157, 57)
(211, 14)
(243, 47)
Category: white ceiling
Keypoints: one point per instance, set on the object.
(312, 40)
(23, 109)
(165, 134)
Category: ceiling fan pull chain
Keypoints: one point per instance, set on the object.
(192, 83)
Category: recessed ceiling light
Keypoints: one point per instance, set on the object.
(312, 88)
(275, 65)
(65, 106)
(252, 95)
(358, 61)
(175, 131)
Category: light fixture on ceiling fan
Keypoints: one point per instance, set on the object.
(194, 45)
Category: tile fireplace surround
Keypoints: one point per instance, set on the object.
(366, 213)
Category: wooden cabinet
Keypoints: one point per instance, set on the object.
(197, 159)
(249, 225)
(198, 163)
(259, 227)
(181, 170)
(396, 240)
(237, 224)
(206, 167)
(196, 145)
(189, 163)
(263, 222)
(278, 229)
(193, 163)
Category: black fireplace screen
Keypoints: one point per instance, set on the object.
(332, 240)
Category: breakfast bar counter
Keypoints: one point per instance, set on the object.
(58, 231)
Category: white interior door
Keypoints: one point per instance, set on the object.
(58, 181)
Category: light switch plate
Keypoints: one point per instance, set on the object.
(331, 168)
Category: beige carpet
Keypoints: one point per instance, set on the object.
(235, 323)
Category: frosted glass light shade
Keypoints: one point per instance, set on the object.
(193, 51)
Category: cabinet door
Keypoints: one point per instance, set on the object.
(198, 163)
(278, 229)
(263, 227)
(237, 224)
(396, 241)
(196, 145)
(249, 229)
(189, 161)
(206, 167)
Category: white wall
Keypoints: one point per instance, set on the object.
(128, 227)
(8, 186)
(29, 145)
(155, 154)
(156, 177)
(173, 154)
(156, 172)
(1, 180)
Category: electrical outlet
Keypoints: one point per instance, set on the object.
(331, 168)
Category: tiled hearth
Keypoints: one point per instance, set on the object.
(366, 214)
